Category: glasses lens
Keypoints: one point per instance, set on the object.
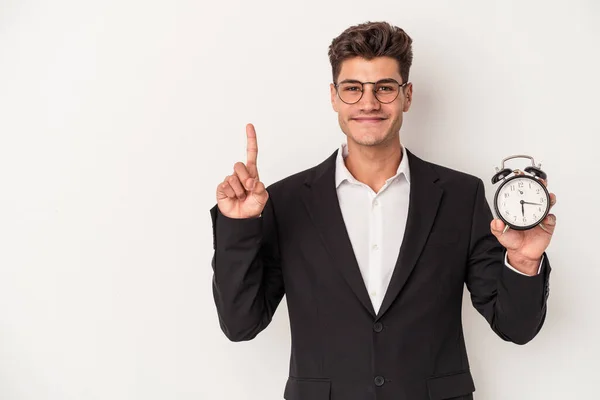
(387, 92)
(350, 92)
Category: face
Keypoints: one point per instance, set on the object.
(385, 119)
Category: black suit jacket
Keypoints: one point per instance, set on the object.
(413, 348)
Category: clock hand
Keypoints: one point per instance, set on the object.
(523, 207)
(537, 204)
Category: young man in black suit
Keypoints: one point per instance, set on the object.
(372, 248)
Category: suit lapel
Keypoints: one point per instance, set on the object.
(424, 200)
(320, 198)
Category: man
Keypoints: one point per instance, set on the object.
(372, 248)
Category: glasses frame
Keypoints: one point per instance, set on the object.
(362, 89)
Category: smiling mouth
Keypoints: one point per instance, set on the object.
(369, 120)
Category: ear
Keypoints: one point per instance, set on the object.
(408, 93)
(333, 95)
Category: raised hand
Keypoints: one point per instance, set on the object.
(242, 194)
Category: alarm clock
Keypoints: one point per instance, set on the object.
(522, 200)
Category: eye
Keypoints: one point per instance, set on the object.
(351, 88)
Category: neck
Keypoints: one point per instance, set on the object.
(373, 165)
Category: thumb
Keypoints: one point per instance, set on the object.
(497, 226)
(260, 193)
(548, 224)
(258, 188)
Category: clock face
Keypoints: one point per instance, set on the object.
(522, 202)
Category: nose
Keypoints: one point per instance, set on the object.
(368, 100)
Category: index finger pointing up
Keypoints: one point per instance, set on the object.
(251, 150)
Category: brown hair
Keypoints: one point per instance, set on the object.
(370, 40)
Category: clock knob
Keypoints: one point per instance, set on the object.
(536, 171)
(501, 175)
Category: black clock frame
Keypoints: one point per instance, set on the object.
(516, 227)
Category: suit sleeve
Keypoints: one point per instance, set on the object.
(247, 280)
(513, 304)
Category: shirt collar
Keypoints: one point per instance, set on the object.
(342, 173)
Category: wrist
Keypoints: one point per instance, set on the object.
(525, 265)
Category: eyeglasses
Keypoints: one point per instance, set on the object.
(351, 91)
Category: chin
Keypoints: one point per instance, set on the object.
(369, 139)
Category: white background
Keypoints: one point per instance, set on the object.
(119, 118)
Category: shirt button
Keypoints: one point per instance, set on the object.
(379, 381)
(375, 247)
(378, 327)
(373, 293)
(376, 203)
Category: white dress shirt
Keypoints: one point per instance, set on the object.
(376, 244)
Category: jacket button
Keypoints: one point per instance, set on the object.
(378, 327)
(379, 381)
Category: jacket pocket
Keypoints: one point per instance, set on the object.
(307, 389)
(450, 385)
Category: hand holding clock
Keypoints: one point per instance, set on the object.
(526, 247)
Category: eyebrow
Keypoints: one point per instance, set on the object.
(384, 80)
